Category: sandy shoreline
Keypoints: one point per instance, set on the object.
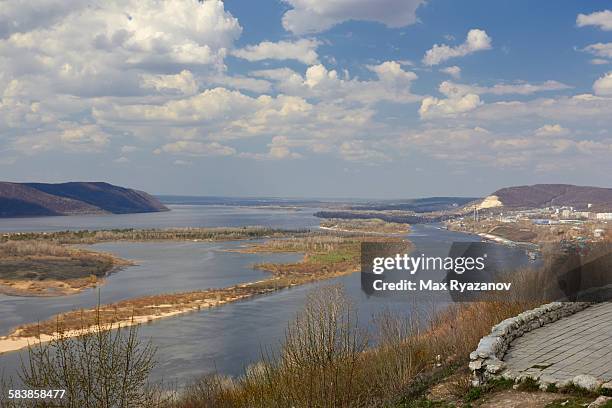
(339, 258)
(15, 341)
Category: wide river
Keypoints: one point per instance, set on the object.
(225, 339)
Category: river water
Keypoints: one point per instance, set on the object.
(225, 339)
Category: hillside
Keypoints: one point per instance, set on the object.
(39, 199)
(543, 195)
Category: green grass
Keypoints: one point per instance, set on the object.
(475, 393)
(340, 255)
(529, 384)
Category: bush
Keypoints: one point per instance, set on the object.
(101, 368)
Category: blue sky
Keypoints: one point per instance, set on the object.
(307, 98)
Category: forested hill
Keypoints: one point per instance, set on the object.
(40, 199)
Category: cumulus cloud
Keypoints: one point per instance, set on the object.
(71, 137)
(210, 104)
(392, 83)
(359, 150)
(279, 149)
(603, 50)
(196, 148)
(579, 109)
(551, 130)
(601, 19)
(313, 16)
(461, 99)
(518, 88)
(25, 16)
(184, 82)
(95, 51)
(477, 40)
(303, 50)
(432, 107)
(603, 86)
(478, 147)
(240, 82)
(453, 71)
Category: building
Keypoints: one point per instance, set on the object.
(604, 216)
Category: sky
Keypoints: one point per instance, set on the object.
(307, 98)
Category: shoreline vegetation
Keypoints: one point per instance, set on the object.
(154, 234)
(365, 226)
(326, 256)
(43, 263)
(38, 268)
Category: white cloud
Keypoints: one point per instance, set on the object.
(219, 114)
(603, 50)
(95, 51)
(582, 110)
(184, 82)
(276, 74)
(603, 86)
(16, 17)
(461, 99)
(518, 88)
(601, 19)
(210, 104)
(477, 40)
(552, 130)
(312, 16)
(279, 149)
(303, 50)
(433, 107)
(195, 148)
(467, 147)
(359, 150)
(392, 84)
(453, 71)
(70, 137)
(599, 61)
(392, 72)
(240, 82)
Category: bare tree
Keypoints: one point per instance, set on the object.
(102, 368)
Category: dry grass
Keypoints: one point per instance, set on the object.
(325, 360)
(46, 268)
(172, 234)
(326, 257)
(376, 226)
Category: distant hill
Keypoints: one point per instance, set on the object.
(546, 195)
(40, 199)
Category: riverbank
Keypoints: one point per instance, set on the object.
(42, 264)
(153, 234)
(325, 257)
(36, 268)
(368, 226)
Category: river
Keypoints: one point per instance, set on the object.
(225, 339)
